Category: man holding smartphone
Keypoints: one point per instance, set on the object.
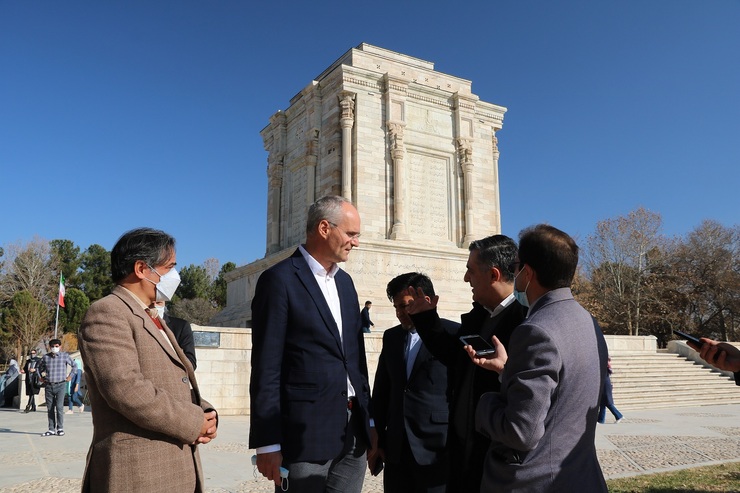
(542, 423)
(495, 312)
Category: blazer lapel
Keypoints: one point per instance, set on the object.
(421, 356)
(147, 323)
(303, 271)
(184, 361)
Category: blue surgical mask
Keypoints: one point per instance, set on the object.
(521, 296)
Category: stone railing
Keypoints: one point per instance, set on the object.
(224, 357)
(631, 344)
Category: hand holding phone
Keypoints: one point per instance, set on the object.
(378, 467)
(692, 341)
(481, 347)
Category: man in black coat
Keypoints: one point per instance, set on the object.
(33, 385)
(490, 273)
(409, 400)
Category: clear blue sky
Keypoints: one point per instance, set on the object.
(115, 115)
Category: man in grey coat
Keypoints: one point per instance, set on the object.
(543, 421)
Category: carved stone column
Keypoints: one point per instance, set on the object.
(312, 106)
(312, 157)
(398, 152)
(275, 183)
(274, 139)
(465, 156)
(347, 121)
(497, 191)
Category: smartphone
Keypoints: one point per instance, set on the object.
(694, 342)
(378, 467)
(481, 347)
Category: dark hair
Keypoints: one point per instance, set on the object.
(551, 253)
(368, 302)
(55, 341)
(152, 246)
(328, 207)
(496, 251)
(400, 284)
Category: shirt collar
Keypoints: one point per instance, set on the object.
(506, 302)
(316, 268)
(136, 298)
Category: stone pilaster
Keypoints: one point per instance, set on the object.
(465, 158)
(347, 121)
(398, 152)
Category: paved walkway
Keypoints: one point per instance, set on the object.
(645, 442)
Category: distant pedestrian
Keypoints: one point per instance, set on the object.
(607, 401)
(9, 384)
(33, 382)
(365, 315)
(53, 369)
(73, 389)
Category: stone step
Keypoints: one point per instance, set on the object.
(661, 376)
(662, 380)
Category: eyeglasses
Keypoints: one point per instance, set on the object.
(352, 236)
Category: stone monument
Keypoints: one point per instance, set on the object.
(416, 152)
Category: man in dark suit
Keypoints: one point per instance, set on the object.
(309, 388)
(542, 423)
(182, 330)
(409, 400)
(148, 415)
(365, 316)
(495, 312)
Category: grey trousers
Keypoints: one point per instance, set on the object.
(55, 404)
(345, 474)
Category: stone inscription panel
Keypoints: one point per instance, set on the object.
(429, 195)
(206, 339)
(429, 121)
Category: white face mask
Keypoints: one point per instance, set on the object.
(160, 311)
(55, 349)
(167, 284)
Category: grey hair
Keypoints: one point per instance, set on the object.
(328, 207)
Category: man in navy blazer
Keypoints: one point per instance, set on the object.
(542, 423)
(309, 389)
(410, 401)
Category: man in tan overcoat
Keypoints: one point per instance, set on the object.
(148, 416)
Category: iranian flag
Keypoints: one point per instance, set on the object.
(61, 291)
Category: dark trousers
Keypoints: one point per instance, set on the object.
(410, 477)
(55, 405)
(607, 402)
(345, 474)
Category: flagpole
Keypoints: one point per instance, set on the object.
(56, 322)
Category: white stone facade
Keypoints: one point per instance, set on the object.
(416, 152)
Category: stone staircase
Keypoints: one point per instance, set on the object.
(661, 380)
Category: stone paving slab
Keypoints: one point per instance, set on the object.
(645, 442)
